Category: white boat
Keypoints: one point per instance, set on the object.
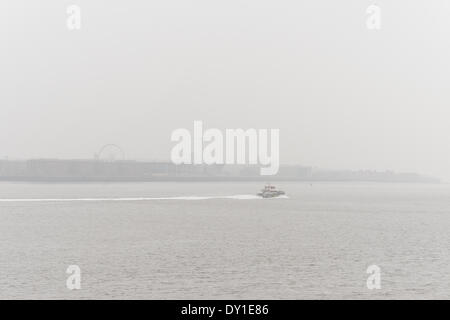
(270, 191)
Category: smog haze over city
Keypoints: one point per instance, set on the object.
(224, 149)
(345, 98)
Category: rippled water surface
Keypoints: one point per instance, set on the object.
(217, 240)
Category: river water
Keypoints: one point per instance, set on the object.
(219, 241)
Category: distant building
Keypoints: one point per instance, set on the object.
(124, 170)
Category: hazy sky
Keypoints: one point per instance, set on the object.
(342, 96)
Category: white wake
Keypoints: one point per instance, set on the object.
(187, 198)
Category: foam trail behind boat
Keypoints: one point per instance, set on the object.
(187, 198)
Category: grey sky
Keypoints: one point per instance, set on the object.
(341, 95)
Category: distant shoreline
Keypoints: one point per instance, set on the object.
(87, 170)
(193, 179)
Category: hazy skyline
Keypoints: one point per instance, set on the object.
(343, 96)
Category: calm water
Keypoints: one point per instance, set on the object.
(215, 240)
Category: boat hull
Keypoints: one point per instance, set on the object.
(271, 194)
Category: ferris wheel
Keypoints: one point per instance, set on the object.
(110, 152)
